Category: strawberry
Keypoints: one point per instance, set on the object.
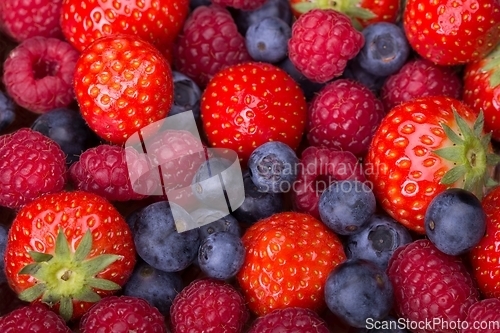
(482, 89)
(422, 147)
(122, 84)
(484, 257)
(157, 22)
(248, 104)
(68, 250)
(452, 32)
(288, 258)
(361, 12)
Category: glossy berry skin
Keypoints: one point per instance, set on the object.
(385, 50)
(221, 255)
(33, 318)
(485, 270)
(208, 305)
(486, 314)
(78, 215)
(7, 114)
(240, 4)
(452, 33)
(273, 167)
(187, 96)
(357, 73)
(289, 320)
(221, 222)
(116, 312)
(289, 245)
(157, 22)
(271, 8)
(112, 82)
(38, 74)
(357, 290)
(267, 40)
(430, 284)
(455, 221)
(377, 241)
(31, 165)
(344, 115)
(249, 104)
(322, 42)
(346, 206)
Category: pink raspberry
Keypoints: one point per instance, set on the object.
(344, 115)
(318, 168)
(115, 314)
(419, 78)
(483, 316)
(38, 74)
(31, 164)
(290, 320)
(209, 42)
(33, 318)
(240, 4)
(25, 19)
(208, 306)
(103, 170)
(322, 42)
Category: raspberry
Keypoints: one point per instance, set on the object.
(485, 313)
(115, 314)
(34, 318)
(209, 42)
(208, 306)
(419, 78)
(344, 115)
(38, 74)
(322, 42)
(290, 320)
(25, 19)
(103, 170)
(318, 168)
(30, 165)
(240, 4)
(429, 284)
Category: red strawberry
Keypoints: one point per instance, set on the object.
(34, 318)
(68, 250)
(288, 258)
(482, 89)
(122, 84)
(452, 32)
(157, 22)
(483, 316)
(249, 104)
(423, 147)
(430, 286)
(484, 257)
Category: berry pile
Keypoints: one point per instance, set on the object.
(249, 166)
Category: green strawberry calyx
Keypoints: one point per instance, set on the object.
(68, 276)
(471, 154)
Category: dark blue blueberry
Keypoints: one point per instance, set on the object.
(358, 290)
(389, 324)
(7, 111)
(221, 255)
(221, 222)
(347, 206)
(273, 167)
(257, 205)
(68, 129)
(267, 40)
(157, 287)
(271, 8)
(309, 87)
(378, 240)
(386, 49)
(187, 96)
(132, 218)
(3, 244)
(159, 244)
(455, 221)
(193, 4)
(357, 73)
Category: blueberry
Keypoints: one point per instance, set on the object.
(221, 255)
(385, 50)
(132, 218)
(3, 244)
(347, 206)
(193, 4)
(378, 240)
(221, 222)
(271, 8)
(357, 73)
(309, 87)
(358, 290)
(257, 205)
(187, 96)
(273, 167)
(267, 40)
(68, 129)
(455, 221)
(7, 111)
(159, 244)
(157, 287)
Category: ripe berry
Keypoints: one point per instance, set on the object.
(483, 316)
(240, 4)
(291, 319)
(34, 318)
(7, 114)
(267, 40)
(271, 8)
